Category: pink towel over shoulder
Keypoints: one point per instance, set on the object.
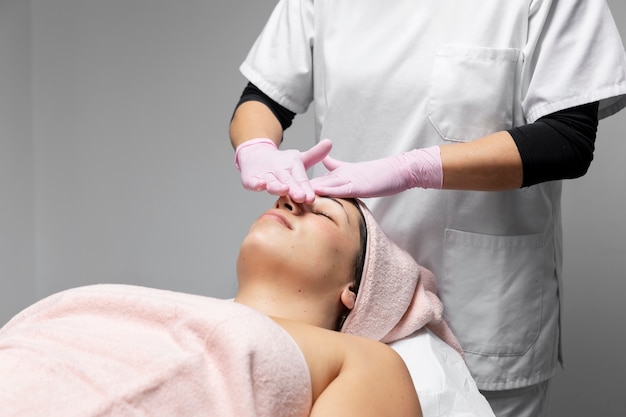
(116, 350)
(397, 296)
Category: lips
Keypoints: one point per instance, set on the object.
(278, 217)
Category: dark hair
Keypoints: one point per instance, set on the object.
(359, 264)
(360, 259)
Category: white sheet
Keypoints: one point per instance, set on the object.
(441, 377)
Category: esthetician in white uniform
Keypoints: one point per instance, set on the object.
(460, 117)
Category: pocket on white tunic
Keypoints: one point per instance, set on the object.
(472, 91)
(492, 291)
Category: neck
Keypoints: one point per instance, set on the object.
(288, 304)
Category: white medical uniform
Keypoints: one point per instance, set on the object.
(389, 76)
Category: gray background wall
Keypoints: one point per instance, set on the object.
(115, 166)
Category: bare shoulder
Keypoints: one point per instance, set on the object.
(354, 376)
(373, 382)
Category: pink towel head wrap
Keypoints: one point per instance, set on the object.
(396, 296)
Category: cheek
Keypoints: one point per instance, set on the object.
(340, 251)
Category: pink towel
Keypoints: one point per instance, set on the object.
(114, 350)
(396, 296)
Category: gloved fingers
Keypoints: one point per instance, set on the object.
(328, 180)
(273, 185)
(316, 153)
(266, 182)
(332, 185)
(276, 188)
(252, 183)
(302, 192)
(339, 191)
(297, 183)
(332, 164)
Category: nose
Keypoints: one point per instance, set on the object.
(286, 203)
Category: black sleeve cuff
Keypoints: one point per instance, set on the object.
(557, 146)
(252, 93)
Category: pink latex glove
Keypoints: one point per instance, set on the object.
(381, 177)
(264, 167)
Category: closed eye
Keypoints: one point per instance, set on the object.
(323, 213)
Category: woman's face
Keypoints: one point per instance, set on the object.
(316, 243)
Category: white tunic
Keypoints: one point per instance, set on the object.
(390, 76)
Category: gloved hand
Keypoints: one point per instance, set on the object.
(264, 167)
(381, 177)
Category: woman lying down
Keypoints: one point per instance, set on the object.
(304, 271)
